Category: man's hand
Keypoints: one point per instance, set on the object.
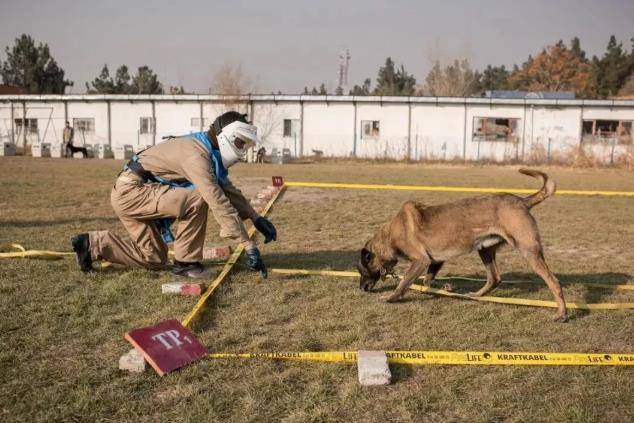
(254, 261)
(266, 228)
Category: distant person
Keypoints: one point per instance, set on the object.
(259, 157)
(69, 148)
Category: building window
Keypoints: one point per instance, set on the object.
(370, 129)
(607, 131)
(495, 129)
(31, 125)
(291, 127)
(146, 125)
(195, 123)
(84, 125)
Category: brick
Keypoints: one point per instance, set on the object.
(132, 361)
(264, 195)
(182, 288)
(214, 253)
(373, 368)
(257, 202)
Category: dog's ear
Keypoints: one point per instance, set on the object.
(366, 256)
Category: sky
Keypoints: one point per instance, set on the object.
(284, 45)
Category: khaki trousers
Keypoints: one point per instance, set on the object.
(137, 204)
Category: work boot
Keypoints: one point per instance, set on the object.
(81, 247)
(193, 270)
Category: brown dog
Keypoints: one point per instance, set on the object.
(429, 236)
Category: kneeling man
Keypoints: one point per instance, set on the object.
(180, 179)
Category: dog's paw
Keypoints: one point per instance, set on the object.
(561, 318)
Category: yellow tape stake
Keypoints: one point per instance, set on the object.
(478, 358)
(226, 269)
(453, 189)
(500, 300)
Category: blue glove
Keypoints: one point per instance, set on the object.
(255, 263)
(266, 228)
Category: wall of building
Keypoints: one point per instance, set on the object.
(417, 127)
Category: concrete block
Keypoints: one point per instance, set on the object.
(104, 151)
(215, 253)
(123, 152)
(132, 361)
(182, 288)
(57, 151)
(373, 368)
(7, 149)
(41, 150)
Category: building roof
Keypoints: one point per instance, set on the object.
(329, 99)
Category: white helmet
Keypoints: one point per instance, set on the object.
(234, 140)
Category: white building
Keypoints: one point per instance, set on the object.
(343, 126)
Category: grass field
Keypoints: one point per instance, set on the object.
(62, 331)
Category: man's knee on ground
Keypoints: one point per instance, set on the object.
(154, 259)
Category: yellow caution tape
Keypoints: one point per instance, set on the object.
(351, 274)
(226, 269)
(24, 253)
(453, 189)
(490, 299)
(480, 358)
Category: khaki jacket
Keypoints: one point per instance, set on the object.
(180, 159)
(67, 135)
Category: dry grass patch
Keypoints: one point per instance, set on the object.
(62, 331)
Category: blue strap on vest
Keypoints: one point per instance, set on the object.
(164, 224)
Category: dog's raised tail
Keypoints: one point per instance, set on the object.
(547, 190)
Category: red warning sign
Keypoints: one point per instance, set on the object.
(167, 346)
(278, 181)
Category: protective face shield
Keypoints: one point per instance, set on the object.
(234, 140)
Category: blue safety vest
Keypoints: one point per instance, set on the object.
(164, 224)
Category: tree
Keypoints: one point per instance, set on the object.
(339, 91)
(122, 81)
(556, 68)
(390, 81)
(454, 80)
(363, 89)
(103, 84)
(493, 78)
(575, 46)
(322, 89)
(613, 69)
(33, 68)
(146, 82)
(627, 90)
(230, 79)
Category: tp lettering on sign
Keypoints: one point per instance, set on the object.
(167, 346)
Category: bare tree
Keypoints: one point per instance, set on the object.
(454, 80)
(230, 80)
